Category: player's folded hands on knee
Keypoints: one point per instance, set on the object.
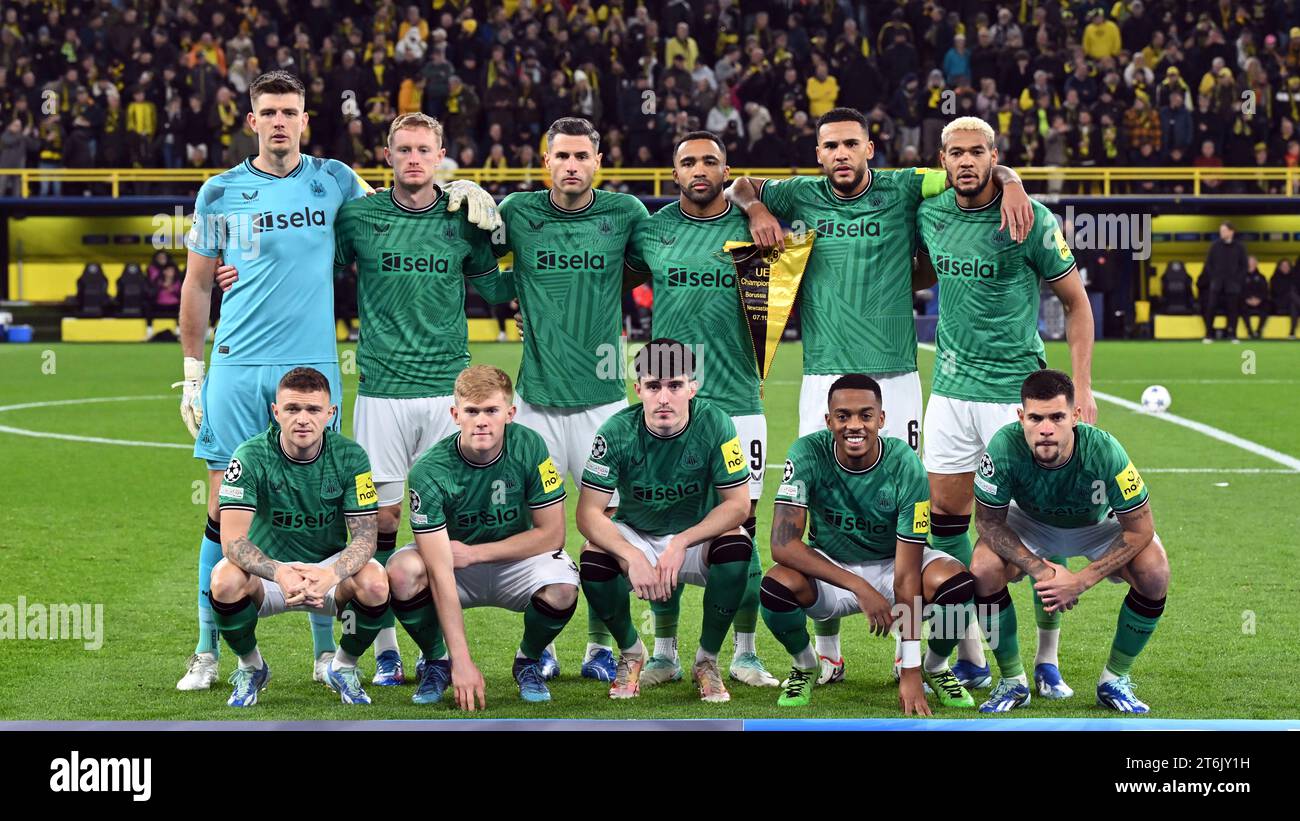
(644, 579)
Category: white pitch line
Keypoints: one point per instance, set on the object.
(1200, 427)
(98, 440)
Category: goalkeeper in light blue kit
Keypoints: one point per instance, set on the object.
(270, 219)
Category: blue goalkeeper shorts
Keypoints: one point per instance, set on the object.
(237, 406)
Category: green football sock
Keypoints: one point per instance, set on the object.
(420, 618)
(722, 595)
(597, 632)
(237, 623)
(957, 545)
(607, 589)
(1137, 621)
(361, 627)
(1045, 620)
(746, 620)
(786, 619)
(382, 555)
(665, 616)
(542, 623)
(830, 627)
(997, 615)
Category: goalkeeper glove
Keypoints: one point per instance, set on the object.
(481, 209)
(191, 395)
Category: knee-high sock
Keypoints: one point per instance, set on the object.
(597, 632)
(997, 614)
(387, 639)
(788, 622)
(542, 623)
(606, 590)
(1049, 627)
(1137, 621)
(827, 638)
(209, 555)
(420, 618)
(237, 622)
(953, 599)
(746, 621)
(949, 533)
(729, 560)
(365, 621)
(666, 614)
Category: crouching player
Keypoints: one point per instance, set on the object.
(682, 479)
(1050, 485)
(284, 499)
(487, 511)
(866, 503)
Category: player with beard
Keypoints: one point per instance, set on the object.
(988, 343)
(696, 301)
(856, 296)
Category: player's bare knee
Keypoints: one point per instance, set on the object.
(228, 581)
(558, 596)
(214, 494)
(371, 584)
(405, 574)
(784, 588)
(946, 581)
(988, 569)
(1149, 571)
(595, 565)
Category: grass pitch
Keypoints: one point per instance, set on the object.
(119, 525)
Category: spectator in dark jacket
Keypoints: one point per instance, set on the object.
(1221, 281)
(1254, 299)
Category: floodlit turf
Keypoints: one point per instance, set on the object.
(119, 525)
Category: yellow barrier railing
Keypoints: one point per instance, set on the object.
(1109, 178)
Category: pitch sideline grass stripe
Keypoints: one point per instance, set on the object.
(98, 440)
(1190, 424)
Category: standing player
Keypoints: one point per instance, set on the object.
(1051, 485)
(856, 297)
(864, 500)
(285, 497)
(696, 301)
(676, 462)
(413, 260)
(568, 244)
(987, 343)
(271, 217)
(487, 510)
(271, 220)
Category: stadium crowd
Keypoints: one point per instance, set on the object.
(163, 83)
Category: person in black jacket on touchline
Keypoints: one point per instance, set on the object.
(1221, 281)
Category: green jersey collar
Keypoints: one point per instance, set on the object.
(690, 415)
(550, 199)
(713, 218)
(280, 447)
(392, 196)
(997, 198)
(474, 464)
(879, 455)
(871, 180)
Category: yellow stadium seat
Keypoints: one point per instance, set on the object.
(103, 330)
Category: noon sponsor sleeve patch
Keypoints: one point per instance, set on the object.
(733, 456)
(366, 493)
(1130, 482)
(550, 476)
(921, 518)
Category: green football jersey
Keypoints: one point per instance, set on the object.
(666, 485)
(856, 296)
(697, 302)
(568, 272)
(857, 515)
(987, 339)
(1096, 479)
(483, 503)
(299, 507)
(412, 267)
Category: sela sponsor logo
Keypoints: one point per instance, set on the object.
(557, 261)
(969, 267)
(684, 278)
(126, 775)
(276, 221)
(665, 493)
(296, 520)
(851, 523)
(827, 227)
(487, 518)
(391, 262)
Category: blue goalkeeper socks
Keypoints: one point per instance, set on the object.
(322, 634)
(209, 555)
